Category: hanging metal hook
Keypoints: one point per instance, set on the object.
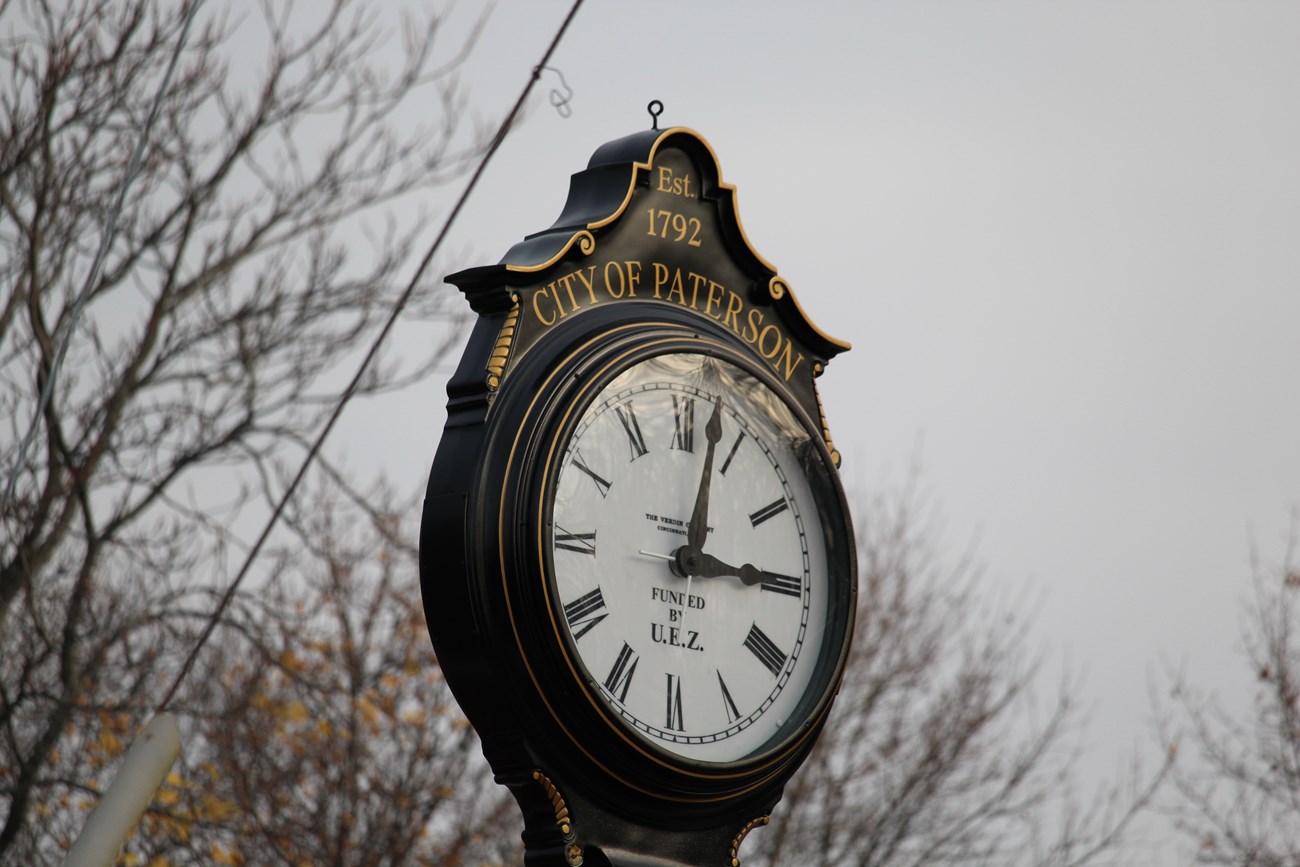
(655, 108)
(559, 99)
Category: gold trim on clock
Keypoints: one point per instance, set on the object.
(496, 364)
(778, 288)
(740, 838)
(756, 773)
(573, 851)
(586, 245)
(821, 413)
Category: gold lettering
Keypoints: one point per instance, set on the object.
(734, 306)
(665, 179)
(609, 284)
(674, 226)
(674, 184)
(555, 299)
(762, 342)
(559, 298)
(696, 282)
(553, 289)
(567, 281)
(586, 278)
(633, 276)
(714, 300)
(752, 322)
(677, 288)
(790, 366)
(537, 311)
(661, 277)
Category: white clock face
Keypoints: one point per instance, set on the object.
(702, 635)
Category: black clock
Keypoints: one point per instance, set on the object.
(637, 558)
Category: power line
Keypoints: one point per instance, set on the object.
(401, 303)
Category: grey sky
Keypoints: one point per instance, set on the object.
(1063, 239)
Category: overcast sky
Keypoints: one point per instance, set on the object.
(1063, 239)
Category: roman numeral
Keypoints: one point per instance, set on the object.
(731, 454)
(728, 703)
(769, 511)
(765, 649)
(581, 614)
(583, 543)
(675, 722)
(601, 484)
(632, 429)
(787, 584)
(684, 423)
(620, 676)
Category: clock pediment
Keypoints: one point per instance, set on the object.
(649, 221)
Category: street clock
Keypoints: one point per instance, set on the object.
(637, 561)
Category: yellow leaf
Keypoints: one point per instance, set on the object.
(294, 711)
(222, 855)
(109, 742)
(218, 809)
(291, 662)
(369, 712)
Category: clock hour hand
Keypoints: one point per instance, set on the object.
(698, 531)
(692, 562)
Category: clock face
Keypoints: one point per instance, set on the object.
(689, 560)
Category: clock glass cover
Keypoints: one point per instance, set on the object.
(689, 557)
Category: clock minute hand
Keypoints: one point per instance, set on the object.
(698, 532)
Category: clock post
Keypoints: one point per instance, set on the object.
(636, 557)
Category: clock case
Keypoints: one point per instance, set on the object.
(599, 290)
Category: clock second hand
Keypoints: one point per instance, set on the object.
(657, 555)
(681, 617)
(689, 578)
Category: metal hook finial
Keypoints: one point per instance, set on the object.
(655, 108)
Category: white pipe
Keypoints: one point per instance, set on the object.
(128, 796)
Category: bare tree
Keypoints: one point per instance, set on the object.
(325, 732)
(1236, 792)
(257, 246)
(936, 752)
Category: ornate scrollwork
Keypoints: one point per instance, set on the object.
(496, 364)
(740, 838)
(572, 849)
(776, 287)
(821, 412)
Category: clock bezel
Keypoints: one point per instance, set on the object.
(544, 410)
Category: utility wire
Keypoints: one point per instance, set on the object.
(402, 301)
(105, 242)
